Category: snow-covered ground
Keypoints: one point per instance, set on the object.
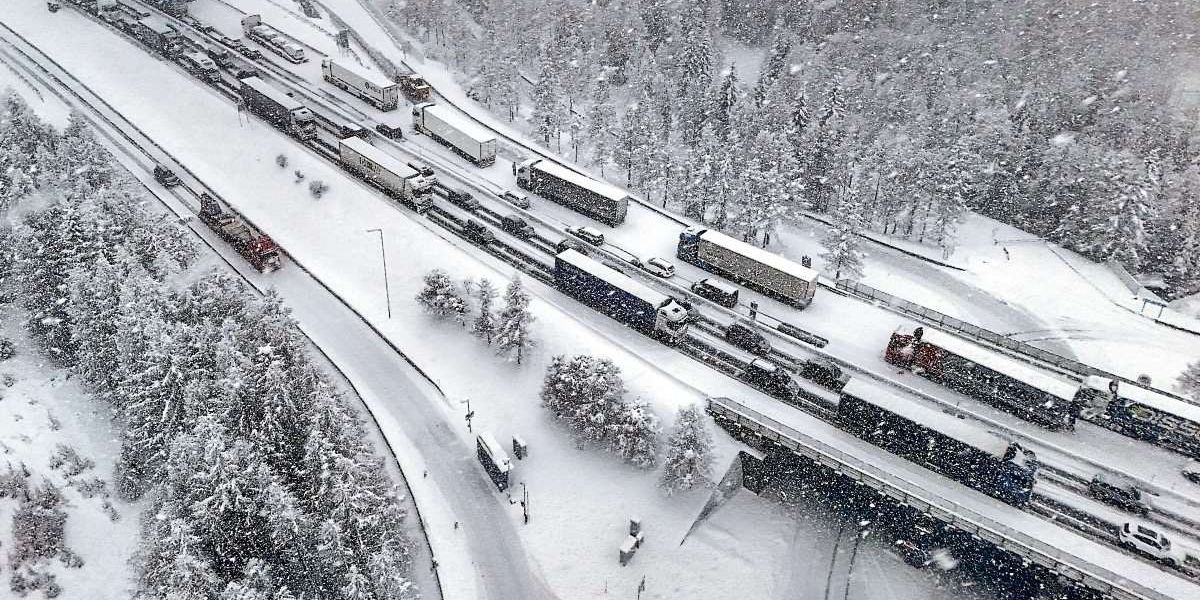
(580, 500)
(42, 411)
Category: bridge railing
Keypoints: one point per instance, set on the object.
(910, 493)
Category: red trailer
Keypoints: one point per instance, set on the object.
(257, 248)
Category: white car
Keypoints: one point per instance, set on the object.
(516, 199)
(587, 234)
(1140, 538)
(657, 266)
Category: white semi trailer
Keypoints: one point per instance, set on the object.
(376, 89)
(387, 172)
(457, 131)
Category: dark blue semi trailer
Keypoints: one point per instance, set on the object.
(616, 295)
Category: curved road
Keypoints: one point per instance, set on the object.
(409, 409)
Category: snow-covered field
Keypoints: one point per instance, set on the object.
(42, 413)
(580, 500)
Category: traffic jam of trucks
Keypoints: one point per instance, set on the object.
(273, 39)
(456, 131)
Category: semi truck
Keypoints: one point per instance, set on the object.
(601, 201)
(272, 39)
(257, 248)
(159, 35)
(278, 108)
(200, 65)
(458, 132)
(748, 265)
(375, 89)
(387, 172)
(616, 295)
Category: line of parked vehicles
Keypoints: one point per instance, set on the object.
(990, 463)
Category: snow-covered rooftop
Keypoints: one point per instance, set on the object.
(383, 159)
(462, 123)
(755, 253)
(1001, 363)
(273, 93)
(949, 425)
(605, 189)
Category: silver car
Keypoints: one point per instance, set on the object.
(516, 199)
(657, 266)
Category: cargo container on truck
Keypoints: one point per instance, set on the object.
(257, 248)
(749, 265)
(200, 65)
(616, 295)
(387, 172)
(459, 132)
(376, 89)
(155, 32)
(278, 108)
(601, 201)
(272, 39)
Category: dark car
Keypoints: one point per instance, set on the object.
(165, 176)
(747, 338)
(479, 232)
(1191, 472)
(825, 373)
(772, 379)
(570, 244)
(720, 292)
(390, 132)
(248, 52)
(517, 226)
(423, 168)
(463, 199)
(1119, 493)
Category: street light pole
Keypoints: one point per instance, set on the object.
(387, 291)
(470, 414)
(525, 501)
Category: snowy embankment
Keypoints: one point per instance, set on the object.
(53, 434)
(1004, 285)
(580, 500)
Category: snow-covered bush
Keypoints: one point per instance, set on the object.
(38, 525)
(1189, 381)
(7, 350)
(688, 463)
(440, 297)
(587, 394)
(282, 161)
(317, 188)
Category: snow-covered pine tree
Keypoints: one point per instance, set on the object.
(843, 254)
(1124, 240)
(601, 124)
(1189, 381)
(632, 430)
(584, 392)
(440, 298)
(689, 461)
(484, 325)
(513, 331)
(548, 106)
(728, 98)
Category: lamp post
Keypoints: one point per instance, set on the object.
(525, 502)
(470, 414)
(387, 291)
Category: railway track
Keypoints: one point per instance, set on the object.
(708, 349)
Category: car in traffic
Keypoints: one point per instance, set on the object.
(569, 244)
(746, 337)
(478, 232)
(824, 373)
(587, 234)
(1118, 492)
(463, 199)
(657, 266)
(516, 199)
(517, 226)
(718, 291)
(1191, 471)
(1150, 542)
(248, 52)
(165, 176)
(420, 167)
